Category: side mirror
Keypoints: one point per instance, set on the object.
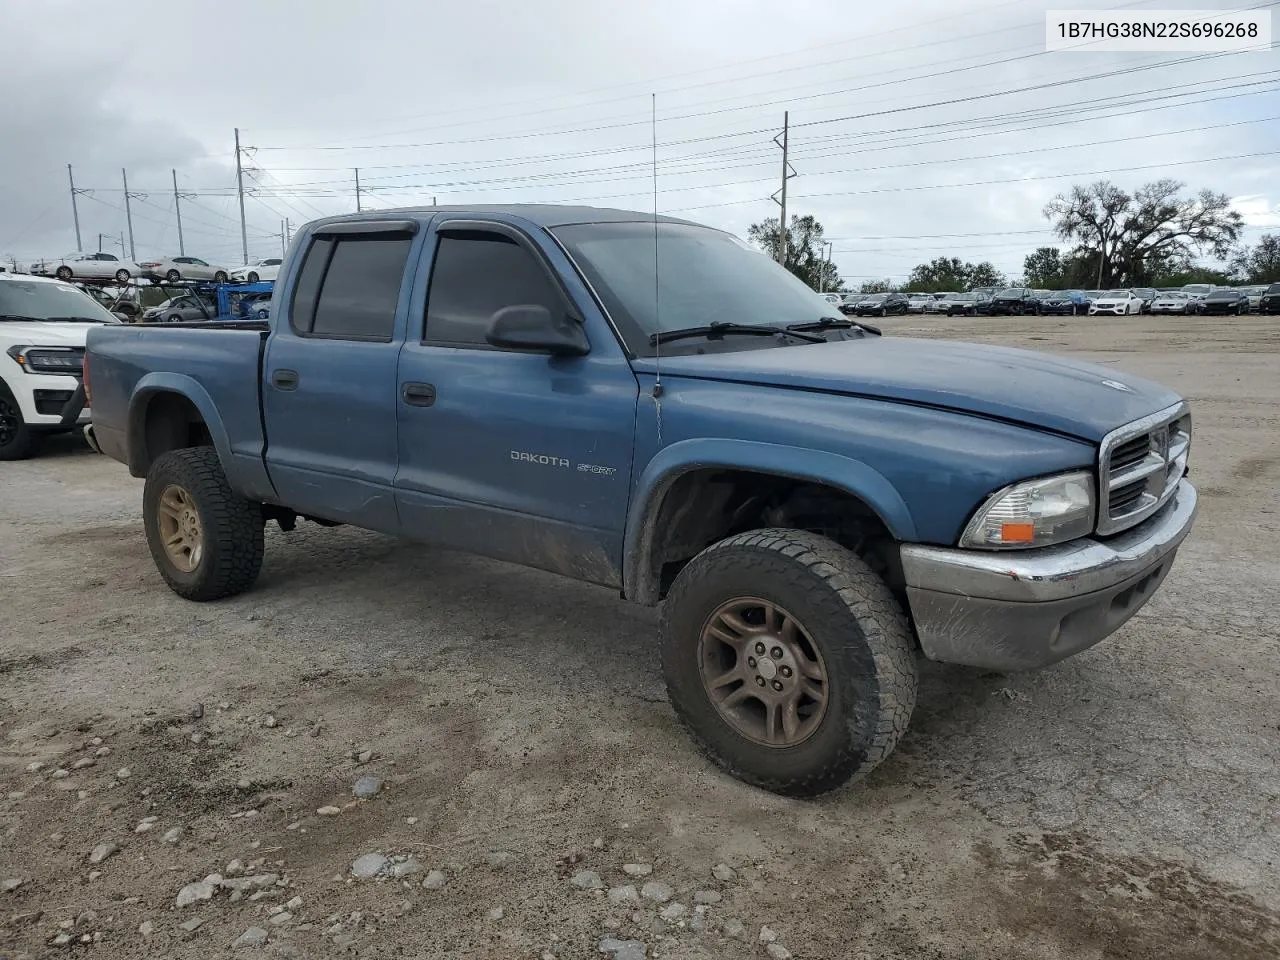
(532, 327)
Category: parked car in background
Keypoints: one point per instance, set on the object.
(267, 269)
(963, 304)
(938, 304)
(183, 268)
(1146, 295)
(1269, 302)
(92, 266)
(919, 302)
(43, 326)
(1176, 302)
(1254, 293)
(1064, 302)
(122, 301)
(881, 305)
(1013, 301)
(1120, 303)
(1198, 290)
(181, 310)
(1223, 300)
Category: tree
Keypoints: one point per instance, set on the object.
(804, 250)
(1043, 268)
(877, 286)
(950, 273)
(1130, 238)
(1260, 263)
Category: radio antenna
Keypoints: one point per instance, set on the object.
(657, 319)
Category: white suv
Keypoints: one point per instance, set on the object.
(43, 326)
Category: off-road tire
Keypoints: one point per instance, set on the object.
(232, 526)
(850, 616)
(20, 442)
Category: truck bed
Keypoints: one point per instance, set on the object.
(217, 364)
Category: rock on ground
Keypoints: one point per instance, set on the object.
(778, 951)
(369, 866)
(406, 868)
(767, 935)
(587, 880)
(625, 894)
(367, 787)
(673, 911)
(723, 872)
(623, 949)
(735, 928)
(657, 891)
(637, 869)
(197, 892)
(102, 851)
(707, 896)
(253, 937)
(435, 881)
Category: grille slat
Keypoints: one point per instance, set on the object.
(1140, 465)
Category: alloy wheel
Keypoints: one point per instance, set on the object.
(762, 672)
(180, 528)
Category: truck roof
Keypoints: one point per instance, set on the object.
(541, 214)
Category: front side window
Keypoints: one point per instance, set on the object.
(474, 275)
(349, 287)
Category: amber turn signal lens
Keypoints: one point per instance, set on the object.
(1017, 532)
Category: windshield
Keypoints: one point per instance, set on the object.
(964, 296)
(1010, 292)
(873, 297)
(1122, 294)
(704, 276)
(34, 300)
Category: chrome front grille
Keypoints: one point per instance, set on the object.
(1139, 466)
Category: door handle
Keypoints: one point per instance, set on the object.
(285, 379)
(418, 394)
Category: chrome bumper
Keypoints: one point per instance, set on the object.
(1023, 610)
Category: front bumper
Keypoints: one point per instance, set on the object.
(1027, 609)
(47, 399)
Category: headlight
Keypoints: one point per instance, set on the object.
(1034, 513)
(47, 359)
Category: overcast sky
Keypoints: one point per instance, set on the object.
(506, 101)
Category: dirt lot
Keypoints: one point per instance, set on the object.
(1125, 803)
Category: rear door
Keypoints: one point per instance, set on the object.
(329, 377)
(518, 455)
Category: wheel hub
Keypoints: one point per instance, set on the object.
(762, 672)
(180, 528)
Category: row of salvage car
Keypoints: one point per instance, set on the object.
(1024, 301)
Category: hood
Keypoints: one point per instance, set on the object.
(1022, 386)
(37, 334)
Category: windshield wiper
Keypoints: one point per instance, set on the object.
(834, 323)
(718, 329)
(75, 320)
(19, 318)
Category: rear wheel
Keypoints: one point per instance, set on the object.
(788, 660)
(63, 273)
(122, 276)
(205, 539)
(173, 276)
(220, 277)
(17, 440)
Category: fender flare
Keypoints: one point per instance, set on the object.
(183, 386)
(672, 462)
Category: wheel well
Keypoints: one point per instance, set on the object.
(169, 422)
(704, 506)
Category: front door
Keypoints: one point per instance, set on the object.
(517, 455)
(329, 377)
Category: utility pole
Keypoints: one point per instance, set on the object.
(358, 208)
(128, 214)
(75, 213)
(244, 233)
(288, 232)
(787, 173)
(177, 207)
(284, 233)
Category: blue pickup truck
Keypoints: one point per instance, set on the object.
(650, 405)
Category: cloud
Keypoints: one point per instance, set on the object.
(901, 117)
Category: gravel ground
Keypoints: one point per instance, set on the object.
(180, 779)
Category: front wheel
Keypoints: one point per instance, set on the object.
(220, 277)
(173, 276)
(17, 440)
(122, 276)
(205, 539)
(788, 660)
(63, 273)
(252, 278)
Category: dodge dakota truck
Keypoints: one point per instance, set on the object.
(651, 405)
